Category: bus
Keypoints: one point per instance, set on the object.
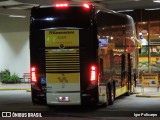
(80, 55)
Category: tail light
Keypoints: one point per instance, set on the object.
(93, 73)
(66, 4)
(33, 74)
(86, 5)
(61, 5)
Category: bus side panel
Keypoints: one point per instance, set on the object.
(88, 56)
(37, 56)
(115, 35)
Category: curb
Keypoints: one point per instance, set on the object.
(14, 89)
(28, 90)
(135, 92)
(148, 96)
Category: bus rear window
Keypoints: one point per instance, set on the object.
(69, 17)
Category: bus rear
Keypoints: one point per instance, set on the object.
(63, 49)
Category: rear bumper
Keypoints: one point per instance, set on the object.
(59, 99)
(76, 98)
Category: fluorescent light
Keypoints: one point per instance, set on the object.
(17, 16)
(124, 10)
(153, 9)
(158, 1)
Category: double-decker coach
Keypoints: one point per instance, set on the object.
(80, 55)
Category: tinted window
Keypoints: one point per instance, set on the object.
(55, 17)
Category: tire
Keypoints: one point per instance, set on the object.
(111, 95)
(104, 105)
(111, 98)
(51, 106)
(127, 93)
(35, 99)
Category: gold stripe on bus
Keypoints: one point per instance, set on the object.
(62, 52)
(65, 62)
(63, 78)
(62, 57)
(120, 91)
(63, 68)
(71, 58)
(61, 65)
(62, 61)
(62, 71)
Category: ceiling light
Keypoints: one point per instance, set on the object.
(125, 11)
(158, 1)
(17, 16)
(153, 9)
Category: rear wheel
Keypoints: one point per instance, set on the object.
(35, 99)
(90, 105)
(110, 95)
(127, 93)
(104, 105)
(51, 106)
(111, 98)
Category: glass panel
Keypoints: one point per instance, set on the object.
(155, 46)
(149, 30)
(142, 29)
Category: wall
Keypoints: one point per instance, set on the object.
(14, 45)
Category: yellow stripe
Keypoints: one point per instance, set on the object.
(64, 59)
(63, 78)
(120, 91)
(49, 71)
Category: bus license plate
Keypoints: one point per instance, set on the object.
(63, 99)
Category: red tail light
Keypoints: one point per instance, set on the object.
(61, 5)
(33, 74)
(85, 5)
(93, 74)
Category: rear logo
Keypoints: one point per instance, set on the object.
(61, 46)
(62, 79)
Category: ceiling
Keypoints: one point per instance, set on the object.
(22, 7)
